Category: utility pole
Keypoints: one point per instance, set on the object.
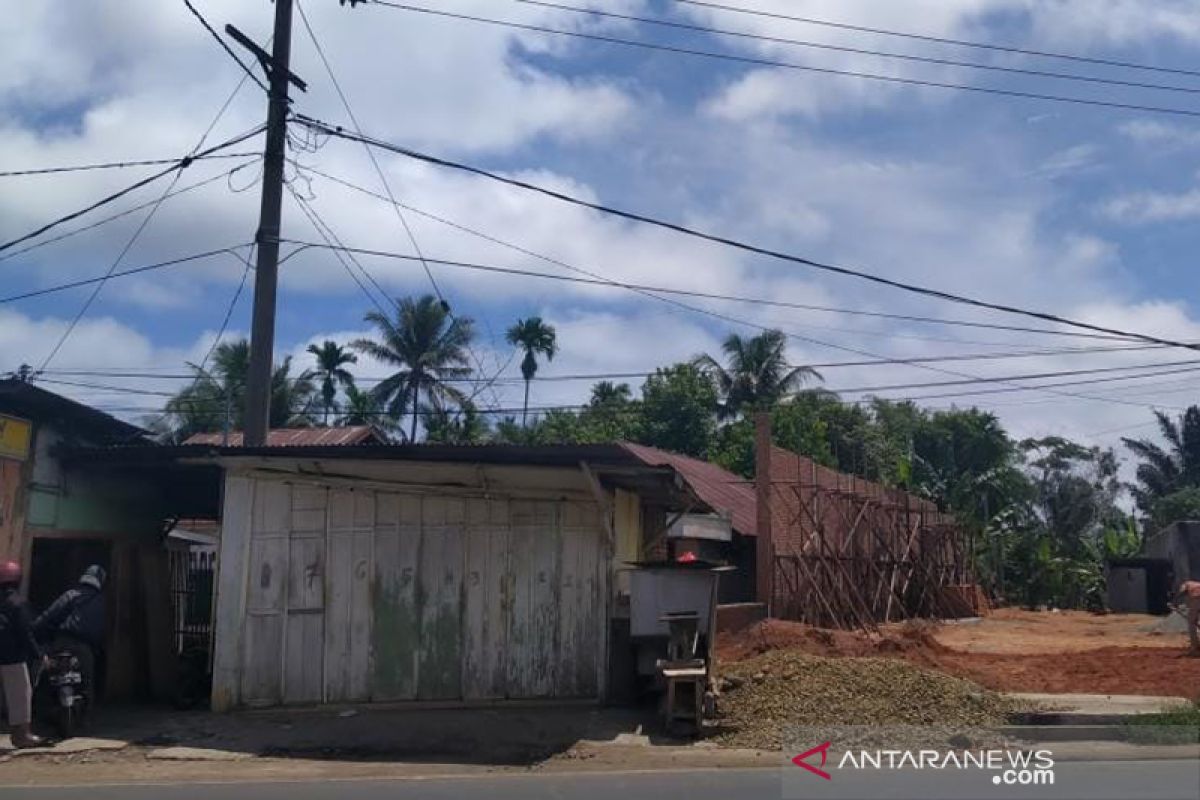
(266, 275)
(764, 543)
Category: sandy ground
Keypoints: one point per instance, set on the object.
(1016, 631)
(1013, 650)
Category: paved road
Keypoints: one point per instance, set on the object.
(1164, 780)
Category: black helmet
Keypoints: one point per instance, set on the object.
(94, 576)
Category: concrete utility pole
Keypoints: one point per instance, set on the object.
(764, 544)
(266, 276)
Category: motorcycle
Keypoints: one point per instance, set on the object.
(60, 697)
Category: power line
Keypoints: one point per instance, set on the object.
(646, 373)
(734, 298)
(740, 245)
(225, 45)
(126, 212)
(1108, 62)
(735, 320)
(768, 62)
(330, 238)
(1155, 371)
(178, 166)
(148, 162)
(947, 62)
(62, 287)
(412, 238)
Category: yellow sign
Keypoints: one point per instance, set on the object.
(15, 437)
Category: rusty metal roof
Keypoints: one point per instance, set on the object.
(299, 437)
(723, 490)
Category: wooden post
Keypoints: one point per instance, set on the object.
(764, 548)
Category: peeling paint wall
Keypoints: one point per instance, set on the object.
(337, 594)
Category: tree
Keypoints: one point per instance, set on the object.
(535, 338)
(331, 360)
(462, 427)
(757, 376)
(677, 410)
(220, 390)
(611, 415)
(1166, 470)
(430, 350)
(363, 407)
(1177, 506)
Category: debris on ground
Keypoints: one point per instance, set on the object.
(762, 697)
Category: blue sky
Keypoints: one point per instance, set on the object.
(1083, 211)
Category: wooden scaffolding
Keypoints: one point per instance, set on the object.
(851, 554)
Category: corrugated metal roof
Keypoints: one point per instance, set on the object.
(299, 437)
(719, 488)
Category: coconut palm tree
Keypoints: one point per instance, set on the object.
(362, 407)
(430, 349)
(758, 375)
(535, 338)
(216, 397)
(1166, 470)
(331, 372)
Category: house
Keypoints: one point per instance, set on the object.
(367, 573)
(57, 517)
(1146, 584)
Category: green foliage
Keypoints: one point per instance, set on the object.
(202, 406)
(534, 337)
(331, 372)
(429, 349)
(1183, 504)
(462, 426)
(757, 376)
(1165, 470)
(677, 411)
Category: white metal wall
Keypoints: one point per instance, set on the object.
(364, 595)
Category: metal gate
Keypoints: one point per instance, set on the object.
(376, 596)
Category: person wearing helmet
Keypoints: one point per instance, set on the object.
(18, 647)
(75, 622)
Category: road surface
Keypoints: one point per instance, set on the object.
(1154, 779)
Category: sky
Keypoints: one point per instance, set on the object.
(1083, 211)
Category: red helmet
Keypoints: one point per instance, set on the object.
(10, 573)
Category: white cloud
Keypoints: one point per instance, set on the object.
(1150, 207)
(1160, 134)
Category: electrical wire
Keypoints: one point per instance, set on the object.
(127, 212)
(225, 46)
(178, 166)
(737, 298)
(383, 179)
(947, 62)
(791, 65)
(147, 162)
(62, 287)
(744, 246)
(1108, 62)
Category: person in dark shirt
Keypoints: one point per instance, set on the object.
(75, 622)
(18, 648)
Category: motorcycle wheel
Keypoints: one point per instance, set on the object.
(70, 720)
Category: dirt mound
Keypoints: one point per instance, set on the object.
(766, 695)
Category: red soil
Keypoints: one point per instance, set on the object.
(1137, 670)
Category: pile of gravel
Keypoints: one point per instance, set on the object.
(763, 697)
